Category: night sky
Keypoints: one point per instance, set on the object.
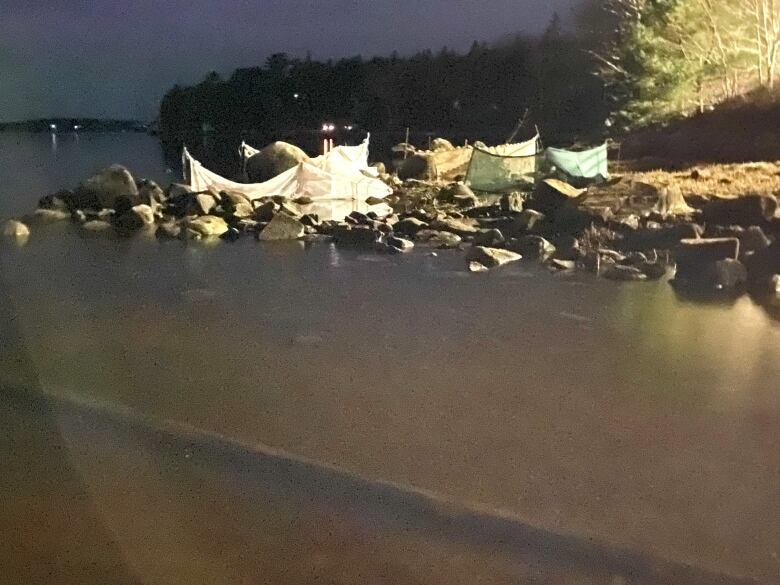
(116, 58)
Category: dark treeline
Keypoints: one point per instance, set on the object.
(479, 95)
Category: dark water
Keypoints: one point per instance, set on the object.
(617, 411)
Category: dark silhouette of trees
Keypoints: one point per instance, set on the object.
(481, 93)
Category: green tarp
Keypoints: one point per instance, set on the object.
(586, 164)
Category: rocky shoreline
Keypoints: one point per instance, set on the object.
(623, 230)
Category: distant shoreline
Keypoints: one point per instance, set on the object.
(74, 125)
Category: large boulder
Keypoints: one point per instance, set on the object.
(236, 204)
(661, 238)
(552, 194)
(14, 229)
(441, 144)
(745, 211)
(491, 257)
(355, 236)
(764, 263)
(208, 226)
(273, 160)
(150, 193)
(696, 257)
(281, 227)
(418, 166)
(133, 218)
(104, 188)
(460, 194)
(533, 247)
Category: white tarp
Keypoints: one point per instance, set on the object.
(338, 183)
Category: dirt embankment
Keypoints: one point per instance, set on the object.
(746, 129)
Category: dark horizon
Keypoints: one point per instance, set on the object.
(73, 59)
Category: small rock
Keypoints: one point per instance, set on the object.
(475, 266)
(134, 218)
(168, 231)
(511, 203)
(409, 226)
(177, 190)
(310, 219)
(14, 229)
(375, 200)
(774, 284)
(462, 227)
(281, 227)
(529, 219)
(96, 225)
(207, 226)
(355, 237)
(624, 273)
(489, 238)
(58, 200)
(753, 240)
(151, 194)
(231, 235)
(439, 238)
(266, 211)
(534, 247)
(399, 243)
(205, 203)
(50, 215)
(491, 257)
(559, 264)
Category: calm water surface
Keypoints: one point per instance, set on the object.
(617, 411)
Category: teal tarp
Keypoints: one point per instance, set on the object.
(587, 164)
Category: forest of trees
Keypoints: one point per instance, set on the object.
(484, 91)
(661, 58)
(626, 63)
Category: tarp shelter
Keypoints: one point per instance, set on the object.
(586, 164)
(503, 167)
(337, 183)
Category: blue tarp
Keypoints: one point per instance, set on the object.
(587, 164)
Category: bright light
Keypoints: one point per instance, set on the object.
(347, 127)
(52, 126)
(77, 127)
(328, 127)
(296, 96)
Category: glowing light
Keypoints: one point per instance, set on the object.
(52, 126)
(296, 96)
